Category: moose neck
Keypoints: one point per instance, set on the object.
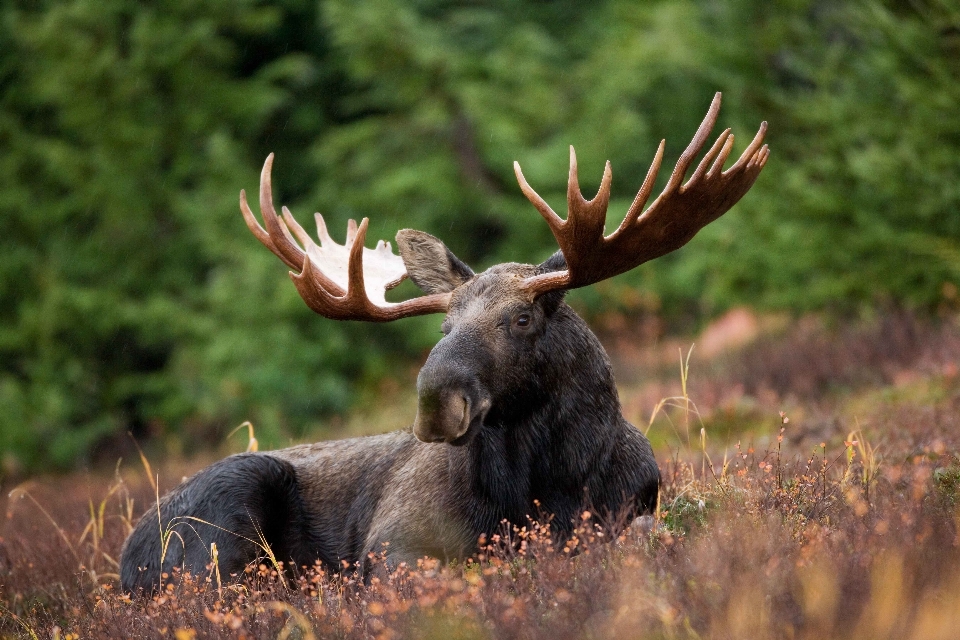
(544, 441)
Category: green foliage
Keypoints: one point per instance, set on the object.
(127, 131)
(132, 298)
(685, 515)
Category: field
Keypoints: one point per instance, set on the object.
(811, 489)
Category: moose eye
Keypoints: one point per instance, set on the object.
(523, 320)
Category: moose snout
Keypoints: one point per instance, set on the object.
(442, 416)
(451, 399)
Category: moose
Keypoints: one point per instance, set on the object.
(517, 409)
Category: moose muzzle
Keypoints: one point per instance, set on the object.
(451, 402)
(442, 417)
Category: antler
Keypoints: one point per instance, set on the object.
(677, 214)
(342, 282)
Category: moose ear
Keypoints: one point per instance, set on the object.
(430, 264)
(556, 262)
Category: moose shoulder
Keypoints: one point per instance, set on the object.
(517, 409)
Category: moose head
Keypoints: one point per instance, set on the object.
(495, 320)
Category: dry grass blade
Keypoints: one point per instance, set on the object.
(19, 493)
(23, 625)
(252, 443)
(146, 466)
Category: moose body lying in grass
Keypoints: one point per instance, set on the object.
(517, 412)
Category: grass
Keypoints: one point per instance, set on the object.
(836, 519)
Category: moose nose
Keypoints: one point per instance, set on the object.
(450, 395)
(442, 416)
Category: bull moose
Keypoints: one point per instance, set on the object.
(517, 409)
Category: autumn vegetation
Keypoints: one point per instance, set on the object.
(836, 518)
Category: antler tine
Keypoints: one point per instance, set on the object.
(351, 231)
(750, 150)
(322, 232)
(699, 139)
(541, 205)
(283, 246)
(259, 231)
(636, 208)
(293, 226)
(722, 142)
(722, 157)
(288, 250)
(356, 290)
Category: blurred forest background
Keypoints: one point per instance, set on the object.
(133, 298)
